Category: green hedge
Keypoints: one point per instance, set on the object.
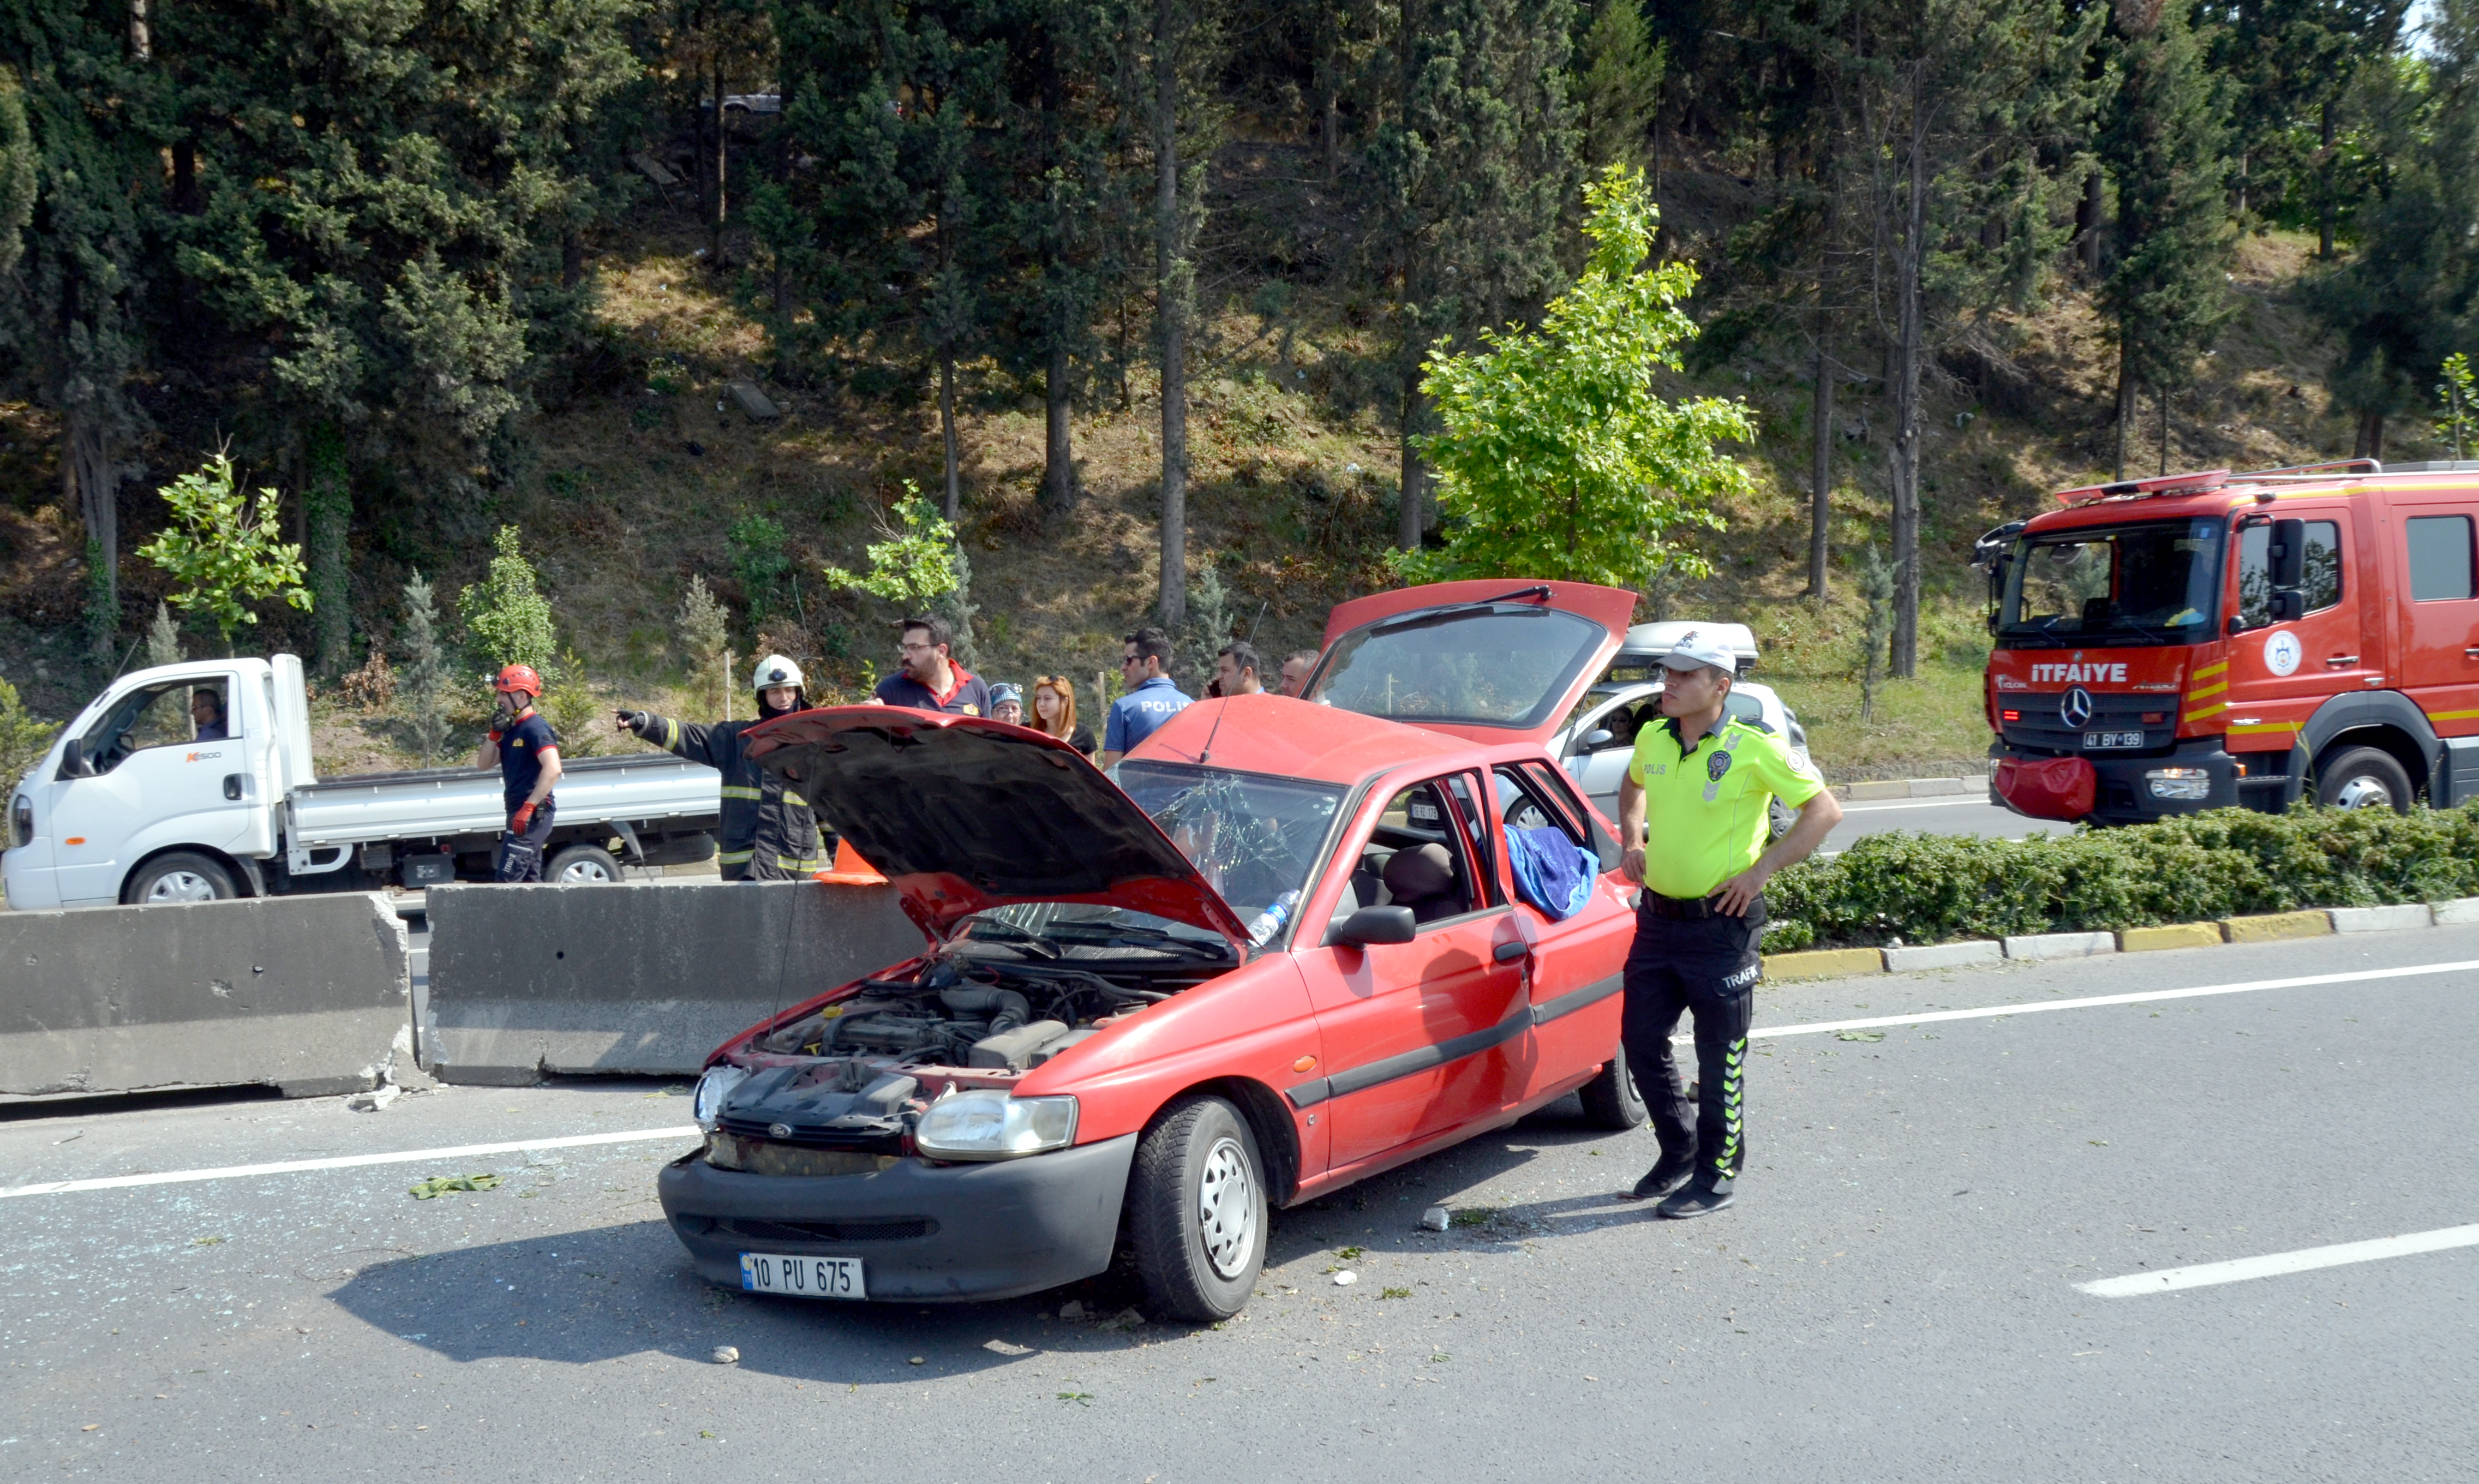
(1929, 888)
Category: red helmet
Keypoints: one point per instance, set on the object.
(518, 678)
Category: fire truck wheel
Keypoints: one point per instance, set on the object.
(2364, 778)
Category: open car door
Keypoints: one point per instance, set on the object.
(1493, 661)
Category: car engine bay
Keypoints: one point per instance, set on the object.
(853, 1076)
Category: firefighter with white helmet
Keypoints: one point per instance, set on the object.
(769, 834)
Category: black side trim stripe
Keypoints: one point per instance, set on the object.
(1386, 1069)
(1577, 999)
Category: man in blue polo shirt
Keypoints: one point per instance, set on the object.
(1151, 699)
(927, 678)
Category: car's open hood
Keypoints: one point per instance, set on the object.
(1493, 660)
(964, 813)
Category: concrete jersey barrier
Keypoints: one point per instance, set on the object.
(308, 994)
(639, 977)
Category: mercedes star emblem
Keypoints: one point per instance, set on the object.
(2076, 707)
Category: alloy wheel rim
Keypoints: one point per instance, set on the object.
(2364, 793)
(181, 886)
(1226, 1209)
(584, 871)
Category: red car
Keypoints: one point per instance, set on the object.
(1287, 950)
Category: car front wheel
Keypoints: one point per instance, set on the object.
(1196, 1211)
(1611, 1099)
(179, 876)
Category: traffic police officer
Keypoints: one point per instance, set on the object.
(767, 832)
(1693, 813)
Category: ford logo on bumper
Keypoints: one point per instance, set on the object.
(2076, 707)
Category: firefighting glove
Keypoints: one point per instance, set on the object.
(520, 819)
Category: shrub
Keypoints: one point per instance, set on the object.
(505, 614)
(1925, 888)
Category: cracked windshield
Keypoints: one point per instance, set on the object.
(1254, 837)
(2155, 583)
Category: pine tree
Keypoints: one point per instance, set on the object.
(506, 615)
(163, 638)
(1185, 50)
(2410, 295)
(1618, 87)
(2164, 141)
(424, 692)
(1466, 177)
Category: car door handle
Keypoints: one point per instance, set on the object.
(2339, 661)
(231, 785)
(1508, 953)
(2470, 653)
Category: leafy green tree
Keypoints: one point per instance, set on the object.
(426, 689)
(505, 614)
(24, 737)
(2291, 66)
(225, 554)
(2454, 399)
(915, 565)
(2165, 139)
(1556, 457)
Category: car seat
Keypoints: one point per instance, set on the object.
(1423, 878)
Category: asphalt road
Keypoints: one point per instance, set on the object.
(1893, 1298)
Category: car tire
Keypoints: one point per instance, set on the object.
(1611, 1100)
(1197, 1211)
(2364, 778)
(179, 876)
(581, 865)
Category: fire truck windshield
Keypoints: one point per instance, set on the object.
(2157, 582)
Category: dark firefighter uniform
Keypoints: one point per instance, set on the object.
(769, 835)
(1705, 814)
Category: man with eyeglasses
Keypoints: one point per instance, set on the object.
(1151, 699)
(927, 678)
(1694, 814)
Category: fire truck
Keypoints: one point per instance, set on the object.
(2206, 640)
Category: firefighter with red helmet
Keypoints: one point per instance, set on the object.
(524, 748)
(769, 832)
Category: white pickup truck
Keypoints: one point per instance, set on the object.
(140, 799)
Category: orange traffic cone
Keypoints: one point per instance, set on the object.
(849, 869)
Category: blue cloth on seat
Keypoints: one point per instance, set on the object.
(1551, 871)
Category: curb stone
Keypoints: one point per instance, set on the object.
(1908, 788)
(2175, 934)
(2060, 945)
(2382, 919)
(2270, 927)
(1943, 956)
(2273, 927)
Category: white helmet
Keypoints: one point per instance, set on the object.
(773, 671)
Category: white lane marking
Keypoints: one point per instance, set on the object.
(2275, 1265)
(344, 1161)
(1874, 805)
(2354, 975)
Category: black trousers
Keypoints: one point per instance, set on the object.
(521, 855)
(1708, 968)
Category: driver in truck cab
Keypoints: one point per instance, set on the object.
(526, 751)
(769, 832)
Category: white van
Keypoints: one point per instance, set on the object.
(138, 801)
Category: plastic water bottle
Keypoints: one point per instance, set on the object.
(1270, 921)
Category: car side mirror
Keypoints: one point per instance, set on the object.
(2288, 603)
(73, 761)
(1597, 737)
(1377, 925)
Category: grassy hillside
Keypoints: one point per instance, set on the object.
(633, 488)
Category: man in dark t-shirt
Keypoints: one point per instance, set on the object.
(927, 678)
(526, 751)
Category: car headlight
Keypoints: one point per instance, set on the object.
(21, 822)
(983, 1124)
(711, 1089)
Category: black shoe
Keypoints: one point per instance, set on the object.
(1664, 1177)
(1696, 1201)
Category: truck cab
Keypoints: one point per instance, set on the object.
(2207, 640)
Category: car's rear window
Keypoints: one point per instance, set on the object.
(1502, 665)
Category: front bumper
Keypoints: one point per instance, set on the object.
(923, 1232)
(2124, 793)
